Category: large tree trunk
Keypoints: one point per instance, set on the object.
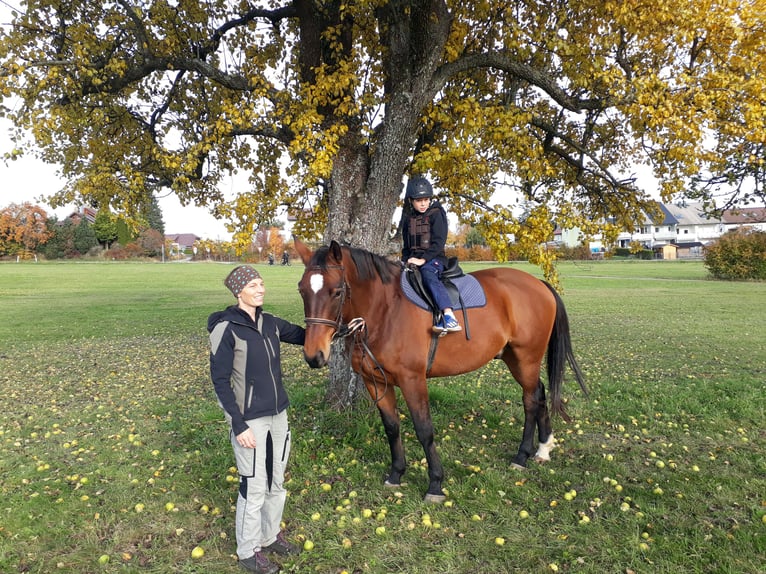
(355, 195)
(366, 182)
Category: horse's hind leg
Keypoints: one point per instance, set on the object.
(544, 429)
(535, 410)
(387, 408)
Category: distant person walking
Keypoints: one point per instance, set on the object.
(245, 367)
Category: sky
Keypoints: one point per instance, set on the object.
(27, 179)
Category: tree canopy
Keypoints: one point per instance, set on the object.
(325, 106)
(22, 228)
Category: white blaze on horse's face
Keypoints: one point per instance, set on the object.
(316, 281)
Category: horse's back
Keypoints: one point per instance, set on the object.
(519, 312)
(517, 287)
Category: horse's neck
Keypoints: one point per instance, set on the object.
(377, 303)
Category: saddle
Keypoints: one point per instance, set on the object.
(464, 291)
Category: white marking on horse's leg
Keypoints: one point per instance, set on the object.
(544, 449)
(435, 498)
(316, 282)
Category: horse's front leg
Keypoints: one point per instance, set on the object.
(416, 396)
(385, 399)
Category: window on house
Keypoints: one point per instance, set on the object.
(686, 231)
(656, 229)
(670, 228)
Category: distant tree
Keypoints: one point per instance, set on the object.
(126, 233)
(276, 243)
(61, 242)
(84, 237)
(151, 241)
(474, 238)
(105, 227)
(153, 215)
(23, 227)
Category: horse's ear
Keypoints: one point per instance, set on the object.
(303, 250)
(335, 251)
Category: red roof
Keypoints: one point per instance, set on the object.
(745, 215)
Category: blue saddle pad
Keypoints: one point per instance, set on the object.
(470, 289)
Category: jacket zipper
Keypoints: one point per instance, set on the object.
(270, 353)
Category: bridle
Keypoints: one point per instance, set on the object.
(337, 325)
(356, 327)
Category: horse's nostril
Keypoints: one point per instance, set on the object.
(316, 361)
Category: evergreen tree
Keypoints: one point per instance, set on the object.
(84, 237)
(105, 228)
(61, 242)
(153, 215)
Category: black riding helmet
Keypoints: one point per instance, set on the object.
(418, 188)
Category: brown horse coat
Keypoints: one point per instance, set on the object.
(523, 320)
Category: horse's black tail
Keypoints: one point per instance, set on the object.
(559, 354)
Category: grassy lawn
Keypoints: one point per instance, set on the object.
(112, 444)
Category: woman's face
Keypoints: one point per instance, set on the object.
(252, 294)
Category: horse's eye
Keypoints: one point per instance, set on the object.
(338, 293)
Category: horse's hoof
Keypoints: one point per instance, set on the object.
(387, 484)
(541, 460)
(434, 498)
(517, 466)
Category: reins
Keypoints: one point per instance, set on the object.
(358, 328)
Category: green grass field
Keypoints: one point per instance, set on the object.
(112, 445)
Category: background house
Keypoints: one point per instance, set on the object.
(87, 213)
(754, 217)
(681, 230)
(182, 242)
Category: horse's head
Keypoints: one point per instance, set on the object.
(323, 289)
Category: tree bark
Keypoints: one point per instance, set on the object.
(362, 197)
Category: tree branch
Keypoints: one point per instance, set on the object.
(502, 61)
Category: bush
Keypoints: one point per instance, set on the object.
(739, 254)
(579, 252)
(474, 253)
(124, 252)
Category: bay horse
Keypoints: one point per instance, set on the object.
(350, 290)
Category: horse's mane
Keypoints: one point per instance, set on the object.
(368, 265)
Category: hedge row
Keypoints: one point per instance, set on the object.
(739, 254)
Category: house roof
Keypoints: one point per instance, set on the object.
(87, 212)
(745, 215)
(185, 239)
(689, 214)
(668, 218)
